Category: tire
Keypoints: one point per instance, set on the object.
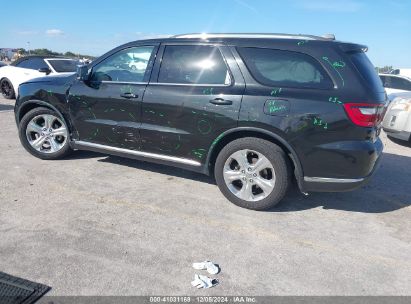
(50, 145)
(7, 89)
(244, 165)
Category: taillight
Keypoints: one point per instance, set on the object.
(365, 114)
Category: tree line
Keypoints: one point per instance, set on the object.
(47, 52)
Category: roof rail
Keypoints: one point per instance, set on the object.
(255, 35)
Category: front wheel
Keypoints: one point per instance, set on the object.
(7, 89)
(44, 134)
(252, 173)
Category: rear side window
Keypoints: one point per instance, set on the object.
(367, 70)
(63, 65)
(285, 69)
(33, 64)
(193, 64)
(400, 84)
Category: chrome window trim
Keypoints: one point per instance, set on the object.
(123, 82)
(332, 180)
(190, 84)
(140, 153)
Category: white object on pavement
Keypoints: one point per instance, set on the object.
(210, 266)
(201, 281)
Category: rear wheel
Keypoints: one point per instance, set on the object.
(44, 134)
(7, 89)
(252, 173)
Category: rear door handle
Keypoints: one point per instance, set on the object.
(221, 101)
(129, 95)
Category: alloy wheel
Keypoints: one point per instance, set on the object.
(249, 175)
(46, 133)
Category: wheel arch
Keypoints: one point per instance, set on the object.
(32, 104)
(223, 139)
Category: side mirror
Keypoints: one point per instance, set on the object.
(82, 72)
(45, 70)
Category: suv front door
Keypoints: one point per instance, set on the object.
(194, 95)
(106, 109)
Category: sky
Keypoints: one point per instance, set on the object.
(94, 27)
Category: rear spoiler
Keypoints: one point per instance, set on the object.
(353, 47)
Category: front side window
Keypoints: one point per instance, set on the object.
(128, 65)
(193, 64)
(63, 65)
(284, 68)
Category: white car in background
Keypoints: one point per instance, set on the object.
(395, 84)
(402, 72)
(397, 119)
(30, 67)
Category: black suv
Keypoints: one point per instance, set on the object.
(255, 110)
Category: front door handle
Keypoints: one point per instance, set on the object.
(129, 95)
(221, 101)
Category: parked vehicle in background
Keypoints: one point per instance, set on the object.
(254, 110)
(397, 120)
(395, 84)
(402, 72)
(2, 64)
(31, 67)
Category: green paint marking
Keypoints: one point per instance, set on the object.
(126, 89)
(94, 116)
(217, 139)
(161, 114)
(132, 116)
(208, 91)
(199, 153)
(335, 66)
(50, 92)
(273, 109)
(204, 127)
(319, 122)
(339, 64)
(335, 100)
(275, 92)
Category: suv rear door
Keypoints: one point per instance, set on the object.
(194, 95)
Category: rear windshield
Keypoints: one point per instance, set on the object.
(64, 66)
(367, 70)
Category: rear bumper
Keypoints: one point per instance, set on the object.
(326, 184)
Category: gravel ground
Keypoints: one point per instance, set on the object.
(100, 225)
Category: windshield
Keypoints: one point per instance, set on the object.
(64, 65)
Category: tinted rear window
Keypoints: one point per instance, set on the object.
(367, 70)
(193, 64)
(64, 66)
(285, 69)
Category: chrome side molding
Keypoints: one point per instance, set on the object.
(138, 153)
(332, 180)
